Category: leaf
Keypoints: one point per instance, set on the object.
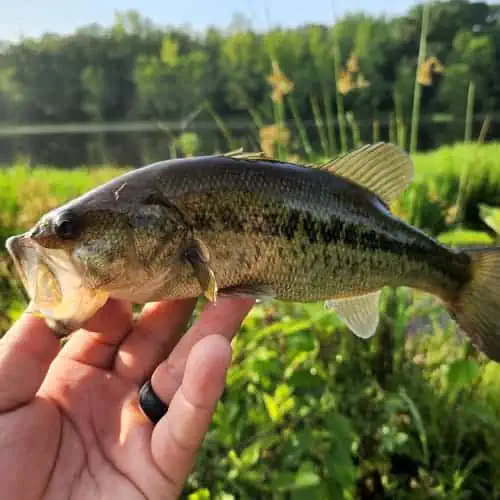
(489, 381)
(202, 494)
(465, 237)
(341, 467)
(225, 496)
(283, 482)
(250, 455)
(304, 380)
(461, 374)
(306, 477)
(234, 459)
(301, 342)
(340, 427)
(491, 216)
(271, 407)
(415, 413)
(282, 393)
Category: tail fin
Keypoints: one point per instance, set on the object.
(477, 306)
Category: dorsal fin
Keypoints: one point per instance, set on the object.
(382, 168)
(240, 154)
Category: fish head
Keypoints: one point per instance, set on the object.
(66, 260)
(55, 289)
(94, 243)
(79, 255)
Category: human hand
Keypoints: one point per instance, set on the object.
(70, 422)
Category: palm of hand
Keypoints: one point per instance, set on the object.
(83, 434)
(92, 439)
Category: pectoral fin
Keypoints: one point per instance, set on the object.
(360, 313)
(198, 256)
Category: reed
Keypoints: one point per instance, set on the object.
(417, 92)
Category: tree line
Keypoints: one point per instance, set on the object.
(224, 85)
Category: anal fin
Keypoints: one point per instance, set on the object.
(360, 314)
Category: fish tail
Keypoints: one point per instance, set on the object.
(476, 306)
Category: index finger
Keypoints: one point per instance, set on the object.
(26, 352)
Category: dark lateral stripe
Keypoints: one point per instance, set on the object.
(293, 224)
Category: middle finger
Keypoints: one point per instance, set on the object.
(158, 329)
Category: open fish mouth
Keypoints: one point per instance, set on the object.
(54, 286)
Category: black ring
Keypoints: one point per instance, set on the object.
(151, 405)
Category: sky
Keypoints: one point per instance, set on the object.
(35, 17)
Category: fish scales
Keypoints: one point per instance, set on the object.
(305, 234)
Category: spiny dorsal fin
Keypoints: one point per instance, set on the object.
(382, 168)
(240, 154)
(359, 313)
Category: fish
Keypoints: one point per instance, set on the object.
(246, 224)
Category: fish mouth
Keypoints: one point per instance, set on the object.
(25, 259)
(54, 286)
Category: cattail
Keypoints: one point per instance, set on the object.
(345, 83)
(280, 83)
(425, 73)
(353, 63)
(437, 67)
(451, 214)
(272, 135)
(351, 78)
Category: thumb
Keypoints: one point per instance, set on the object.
(26, 352)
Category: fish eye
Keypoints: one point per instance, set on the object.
(67, 226)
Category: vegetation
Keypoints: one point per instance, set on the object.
(312, 411)
(359, 80)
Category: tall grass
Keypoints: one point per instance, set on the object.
(338, 96)
(469, 112)
(417, 92)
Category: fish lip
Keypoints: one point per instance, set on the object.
(27, 254)
(16, 247)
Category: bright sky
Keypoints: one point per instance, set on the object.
(34, 17)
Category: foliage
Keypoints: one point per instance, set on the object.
(471, 170)
(310, 411)
(491, 216)
(305, 414)
(352, 82)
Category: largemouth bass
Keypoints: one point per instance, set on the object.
(245, 224)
